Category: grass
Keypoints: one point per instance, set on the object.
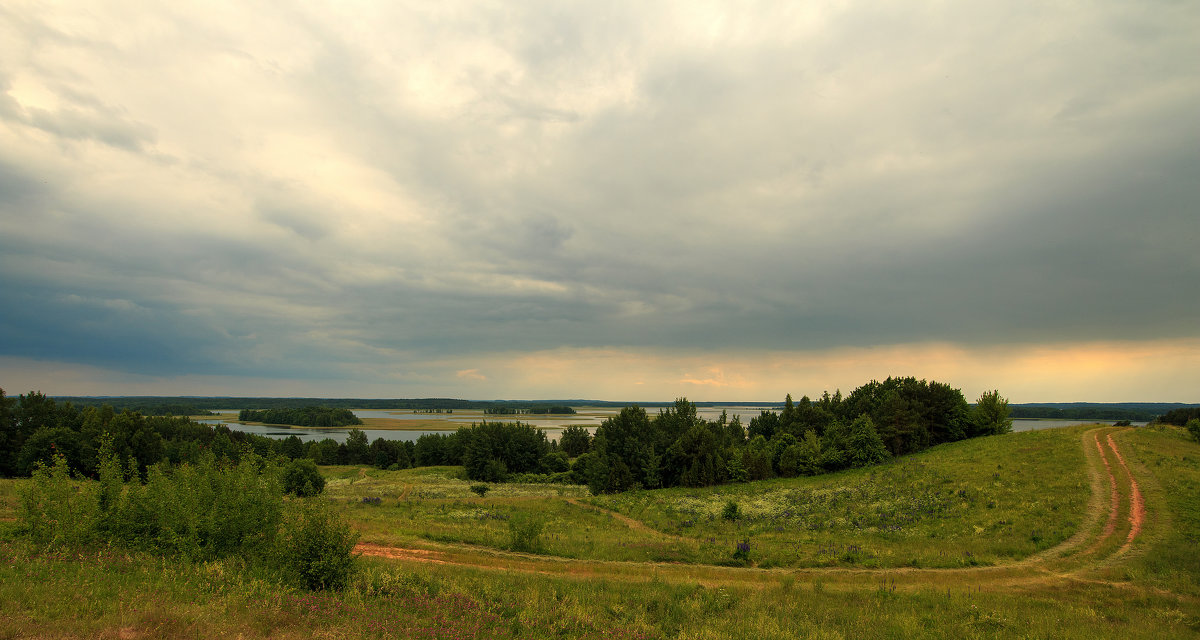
(611, 588)
(979, 502)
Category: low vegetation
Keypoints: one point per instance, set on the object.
(194, 513)
(521, 581)
(904, 514)
(977, 502)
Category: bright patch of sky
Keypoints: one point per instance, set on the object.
(610, 200)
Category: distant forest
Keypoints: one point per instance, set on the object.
(197, 406)
(537, 409)
(635, 448)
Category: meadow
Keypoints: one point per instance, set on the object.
(1056, 533)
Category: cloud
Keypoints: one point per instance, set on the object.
(311, 194)
(470, 374)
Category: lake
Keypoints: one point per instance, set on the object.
(587, 417)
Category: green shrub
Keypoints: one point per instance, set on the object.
(494, 470)
(525, 533)
(555, 462)
(315, 549)
(203, 511)
(731, 511)
(1193, 426)
(302, 478)
(480, 489)
(57, 509)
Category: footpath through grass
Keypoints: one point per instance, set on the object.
(1150, 591)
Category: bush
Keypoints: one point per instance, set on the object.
(493, 471)
(302, 478)
(555, 462)
(57, 510)
(1193, 426)
(731, 511)
(202, 511)
(579, 469)
(315, 549)
(563, 477)
(480, 489)
(525, 533)
(205, 511)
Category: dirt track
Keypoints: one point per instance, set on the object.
(1061, 563)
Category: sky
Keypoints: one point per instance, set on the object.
(602, 200)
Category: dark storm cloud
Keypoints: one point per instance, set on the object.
(324, 194)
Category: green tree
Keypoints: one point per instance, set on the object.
(575, 441)
(555, 462)
(45, 443)
(990, 415)
(623, 453)
(9, 442)
(357, 449)
(292, 447)
(756, 459)
(863, 444)
(1193, 427)
(809, 461)
(696, 457)
(302, 478)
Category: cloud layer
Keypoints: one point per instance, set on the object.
(410, 193)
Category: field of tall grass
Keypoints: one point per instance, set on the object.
(940, 544)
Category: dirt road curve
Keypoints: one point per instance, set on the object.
(1112, 494)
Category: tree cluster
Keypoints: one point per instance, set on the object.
(33, 428)
(1180, 417)
(494, 452)
(536, 409)
(875, 422)
(302, 417)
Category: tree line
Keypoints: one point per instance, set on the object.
(191, 405)
(1180, 417)
(875, 422)
(511, 410)
(677, 447)
(630, 450)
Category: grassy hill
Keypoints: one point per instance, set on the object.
(1059, 533)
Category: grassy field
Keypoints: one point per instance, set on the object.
(1028, 535)
(979, 502)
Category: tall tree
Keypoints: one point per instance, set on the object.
(575, 441)
(990, 415)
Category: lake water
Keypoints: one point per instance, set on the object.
(551, 424)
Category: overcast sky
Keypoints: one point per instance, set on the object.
(627, 201)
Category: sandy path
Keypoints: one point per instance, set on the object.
(401, 553)
(1115, 500)
(1137, 505)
